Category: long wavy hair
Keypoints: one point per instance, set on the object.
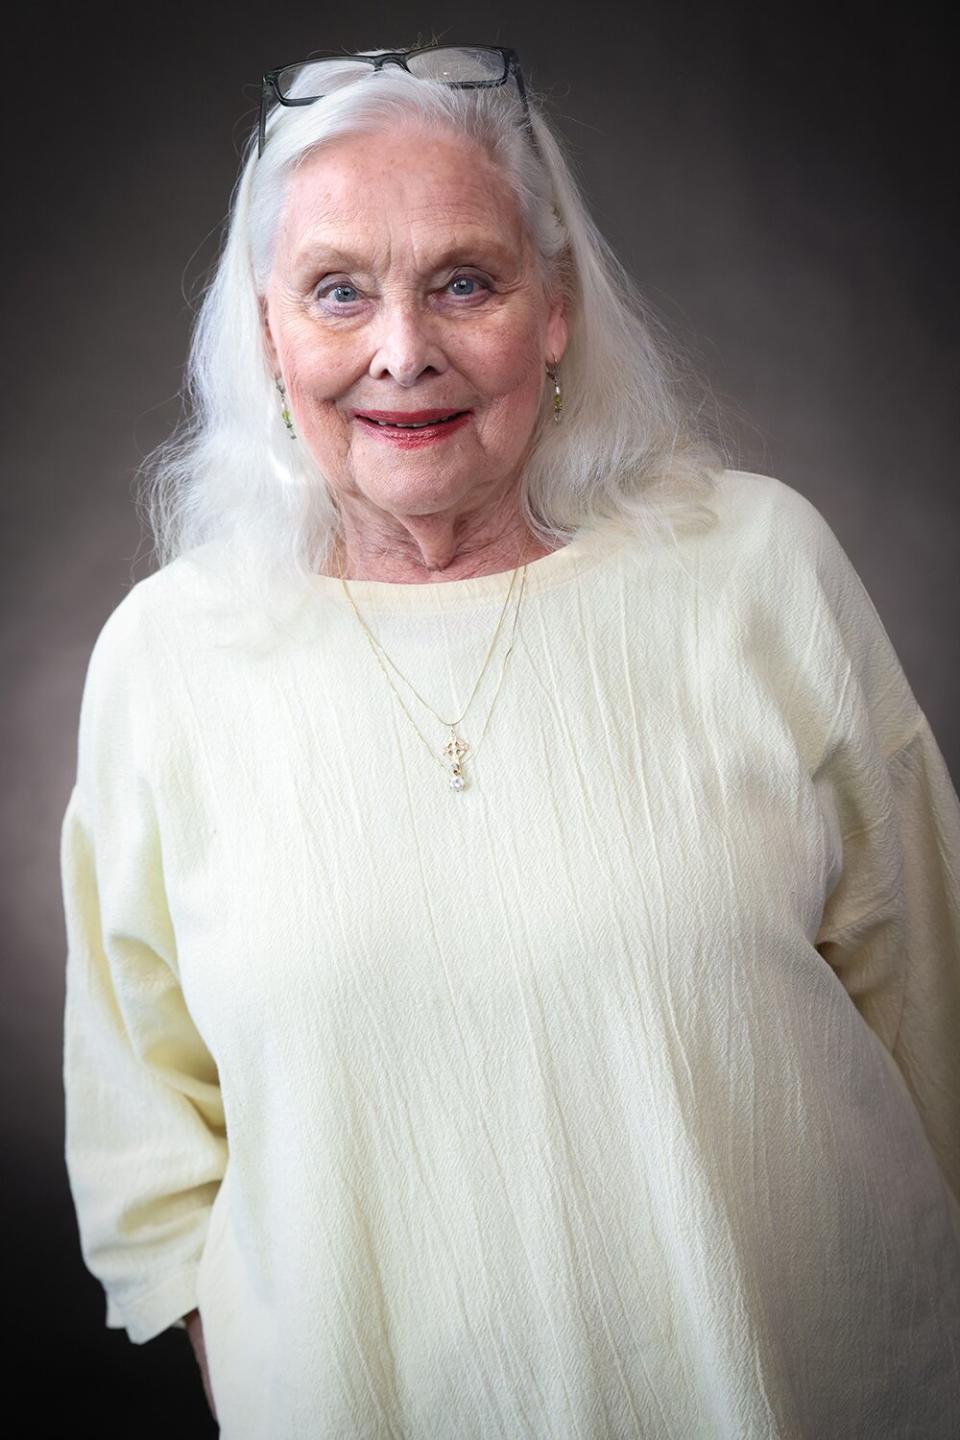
(637, 442)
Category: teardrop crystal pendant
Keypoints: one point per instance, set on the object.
(453, 753)
(554, 374)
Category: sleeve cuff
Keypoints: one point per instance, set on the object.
(148, 1313)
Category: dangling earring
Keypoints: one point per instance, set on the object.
(285, 415)
(554, 373)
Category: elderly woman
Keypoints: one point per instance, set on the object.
(512, 894)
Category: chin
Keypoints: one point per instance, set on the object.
(420, 499)
(420, 494)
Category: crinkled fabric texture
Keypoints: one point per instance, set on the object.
(616, 1095)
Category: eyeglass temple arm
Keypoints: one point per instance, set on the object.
(522, 91)
(265, 85)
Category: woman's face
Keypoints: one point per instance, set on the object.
(404, 290)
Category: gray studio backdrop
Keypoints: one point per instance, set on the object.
(779, 185)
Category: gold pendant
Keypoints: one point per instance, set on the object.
(453, 753)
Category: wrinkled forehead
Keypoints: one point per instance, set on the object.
(376, 190)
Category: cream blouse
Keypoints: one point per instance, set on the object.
(615, 1096)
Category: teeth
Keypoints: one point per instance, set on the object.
(419, 425)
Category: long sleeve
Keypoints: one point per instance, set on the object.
(145, 1136)
(891, 930)
(891, 925)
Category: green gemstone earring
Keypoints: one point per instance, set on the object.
(285, 415)
(554, 373)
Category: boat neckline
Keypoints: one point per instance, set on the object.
(586, 547)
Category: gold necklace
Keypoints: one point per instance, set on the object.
(452, 755)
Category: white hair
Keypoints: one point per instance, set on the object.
(632, 446)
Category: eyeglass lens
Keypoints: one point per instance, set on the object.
(454, 64)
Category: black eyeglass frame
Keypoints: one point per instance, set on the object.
(511, 67)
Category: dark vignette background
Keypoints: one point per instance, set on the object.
(782, 183)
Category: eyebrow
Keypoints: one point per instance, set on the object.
(315, 252)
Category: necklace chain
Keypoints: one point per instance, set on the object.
(456, 747)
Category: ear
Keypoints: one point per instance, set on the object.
(268, 341)
(557, 332)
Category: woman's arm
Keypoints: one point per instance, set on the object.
(891, 928)
(146, 1146)
(194, 1327)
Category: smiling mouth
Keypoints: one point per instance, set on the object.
(412, 424)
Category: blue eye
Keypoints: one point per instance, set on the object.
(465, 280)
(343, 294)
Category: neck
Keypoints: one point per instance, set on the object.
(425, 549)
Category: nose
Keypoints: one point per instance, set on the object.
(405, 347)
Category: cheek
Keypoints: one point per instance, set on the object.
(316, 375)
(316, 365)
(507, 369)
(318, 371)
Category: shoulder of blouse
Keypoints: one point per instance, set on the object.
(130, 686)
(774, 538)
(789, 575)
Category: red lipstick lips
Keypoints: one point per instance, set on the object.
(411, 428)
(405, 417)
